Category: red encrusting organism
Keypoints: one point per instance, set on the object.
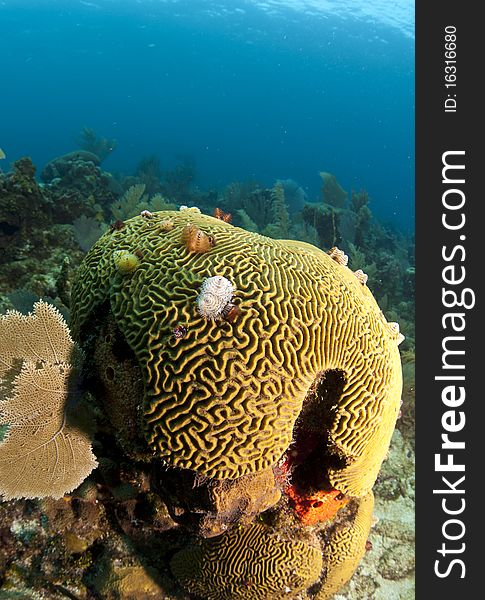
(316, 507)
(313, 506)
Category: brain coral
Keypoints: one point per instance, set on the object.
(248, 563)
(223, 399)
(346, 547)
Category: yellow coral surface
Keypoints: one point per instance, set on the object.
(346, 548)
(223, 399)
(246, 564)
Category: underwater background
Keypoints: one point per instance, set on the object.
(293, 119)
(245, 90)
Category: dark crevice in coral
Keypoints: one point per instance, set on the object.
(187, 503)
(102, 325)
(310, 456)
(89, 332)
(112, 376)
(8, 229)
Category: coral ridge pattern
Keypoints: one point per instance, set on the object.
(246, 564)
(223, 400)
(346, 547)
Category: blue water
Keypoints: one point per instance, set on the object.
(251, 90)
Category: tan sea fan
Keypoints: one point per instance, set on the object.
(42, 453)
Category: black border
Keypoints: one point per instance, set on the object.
(438, 131)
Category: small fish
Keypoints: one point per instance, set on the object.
(2, 154)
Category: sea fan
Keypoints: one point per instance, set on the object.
(42, 452)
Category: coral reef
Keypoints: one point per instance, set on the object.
(279, 228)
(126, 583)
(325, 219)
(251, 203)
(280, 343)
(149, 173)
(408, 408)
(346, 547)
(177, 182)
(175, 185)
(151, 502)
(101, 147)
(134, 201)
(251, 563)
(209, 507)
(130, 204)
(295, 195)
(87, 230)
(24, 207)
(35, 232)
(259, 210)
(332, 192)
(381, 252)
(78, 186)
(387, 568)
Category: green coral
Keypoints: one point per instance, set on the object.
(100, 146)
(279, 228)
(326, 222)
(134, 201)
(332, 192)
